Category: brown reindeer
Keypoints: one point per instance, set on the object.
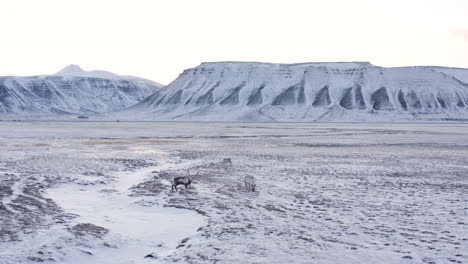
(250, 183)
(184, 180)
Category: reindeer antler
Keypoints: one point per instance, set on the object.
(188, 173)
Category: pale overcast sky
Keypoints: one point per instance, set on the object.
(159, 39)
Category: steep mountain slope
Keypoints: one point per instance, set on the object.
(71, 91)
(352, 91)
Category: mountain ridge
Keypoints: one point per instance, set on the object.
(76, 71)
(71, 92)
(343, 91)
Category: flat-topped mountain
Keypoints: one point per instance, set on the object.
(71, 91)
(342, 91)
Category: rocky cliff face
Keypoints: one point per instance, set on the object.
(71, 93)
(356, 91)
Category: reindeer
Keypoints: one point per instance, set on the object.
(185, 180)
(250, 183)
(227, 162)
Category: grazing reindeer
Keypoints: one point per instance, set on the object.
(185, 180)
(250, 183)
(227, 162)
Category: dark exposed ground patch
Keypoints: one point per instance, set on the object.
(360, 102)
(161, 100)
(460, 102)
(84, 229)
(380, 100)
(442, 103)
(207, 98)
(322, 98)
(347, 99)
(152, 186)
(175, 98)
(301, 98)
(413, 100)
(401, 100)
(256, 97)
(287, 97)
(233, 97)
(293, 95)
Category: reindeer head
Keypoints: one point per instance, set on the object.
(191, 177)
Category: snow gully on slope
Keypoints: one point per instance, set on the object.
(135, 230)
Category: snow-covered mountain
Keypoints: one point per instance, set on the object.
(343, 91)
(75, 70)
(71, 91)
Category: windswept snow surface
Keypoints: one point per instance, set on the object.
(87, 192)
(342, 91)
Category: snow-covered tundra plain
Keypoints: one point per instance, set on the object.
(100, 192)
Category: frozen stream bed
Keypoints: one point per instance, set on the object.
(135, 230)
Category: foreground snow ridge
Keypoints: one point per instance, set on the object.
(341, 91)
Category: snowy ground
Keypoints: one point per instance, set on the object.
(99, 192)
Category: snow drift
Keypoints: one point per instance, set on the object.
(72, 91)
(347, 91)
